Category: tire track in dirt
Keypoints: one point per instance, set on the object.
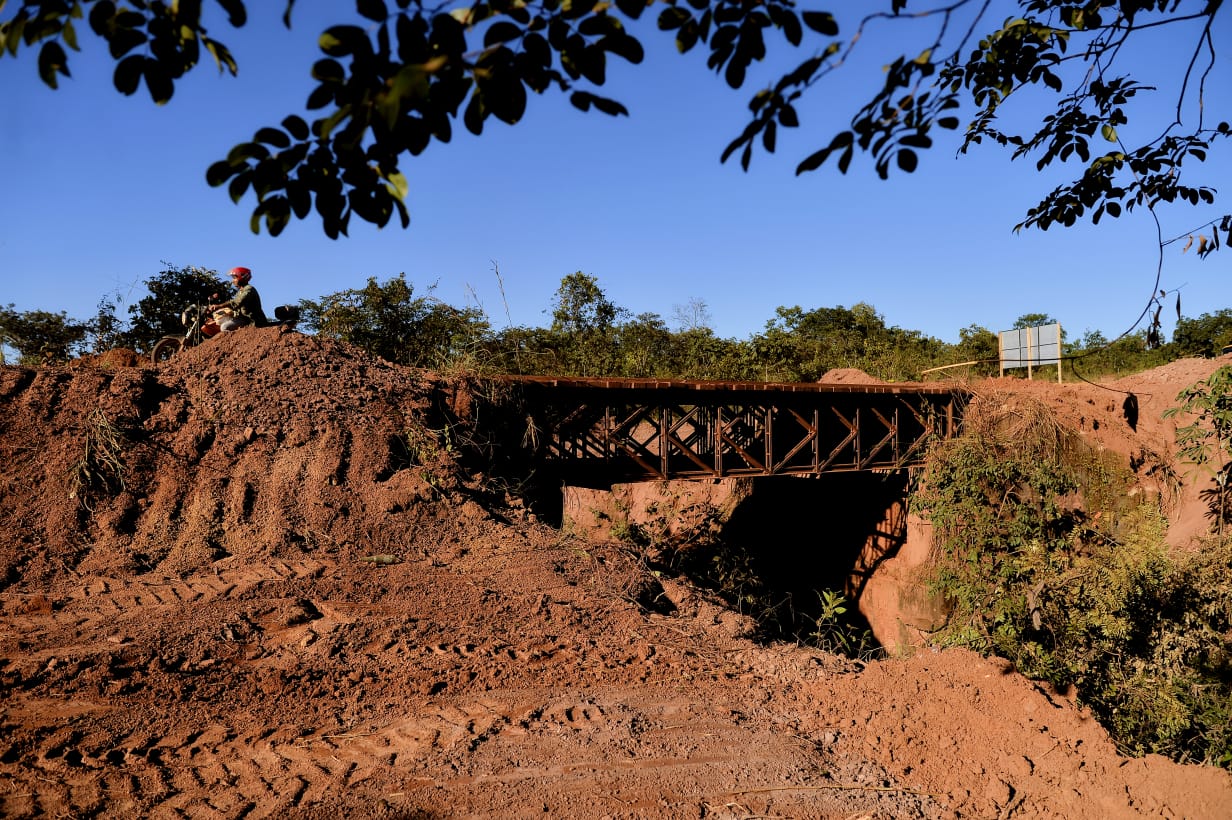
(216, 773)
(118, 601)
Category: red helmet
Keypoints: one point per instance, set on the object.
(241, 275)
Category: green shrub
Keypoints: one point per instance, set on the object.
(1046, 566)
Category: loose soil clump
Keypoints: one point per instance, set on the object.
(255, 582)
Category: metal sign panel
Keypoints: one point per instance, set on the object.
(1031, 346)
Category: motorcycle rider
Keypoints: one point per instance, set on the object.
(245, 306)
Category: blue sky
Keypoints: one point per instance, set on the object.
(101, 190)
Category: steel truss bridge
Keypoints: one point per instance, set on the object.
(641, 429)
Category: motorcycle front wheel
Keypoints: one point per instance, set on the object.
(165, 348)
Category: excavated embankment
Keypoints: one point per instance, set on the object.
(253, 582)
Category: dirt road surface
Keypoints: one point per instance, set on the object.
(230, 588)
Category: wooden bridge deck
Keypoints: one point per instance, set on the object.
(647, 429)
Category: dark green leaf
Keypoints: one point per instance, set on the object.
(239, 187)
(237, 14)
(844, 160)
(300, 198)
(536, 48)
(158, 81)
(127, 18)
(374, 10)
(791, 28)
(222, 56)
(907, 160)
(609, 107)
(246, 151)
(598, 25)
(821, 22)
(320, 97)
(296, 127)
(593, 64)
(673, 17)
(735, 71)
(505, 96)
(412, 39)
(817, 158)
(788, 118)
(124, 40)
(339, 41)
(687, 37)
(581, 100)
(100, 16)
(274, 137)
(218, 173)
(631, 8)
(475, 114)
(128, 74)
(52, 61)
(277, 216)
(501, 31)
(69, 32)
(10, 34)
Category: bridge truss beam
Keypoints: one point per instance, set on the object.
(630, 430)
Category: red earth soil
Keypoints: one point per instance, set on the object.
(252, 582)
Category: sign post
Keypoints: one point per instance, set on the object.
(1031, 347)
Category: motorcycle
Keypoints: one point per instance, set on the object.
(201, 324)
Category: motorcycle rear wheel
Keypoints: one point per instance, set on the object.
(165, 348)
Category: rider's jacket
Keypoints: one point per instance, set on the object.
(247, 303)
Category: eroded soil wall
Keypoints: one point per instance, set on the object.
(800, 536)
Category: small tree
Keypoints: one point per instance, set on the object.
(40, 337)
(645, 347)
(977, 343)
(106, 328)
(585, 319)
(692, 315)
(1204, 336)
(390, 321)
(171, 290)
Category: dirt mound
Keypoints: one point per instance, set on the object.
(273, 444)
(116, 357)
(847, 375)
(1125, 416)
(254, 582)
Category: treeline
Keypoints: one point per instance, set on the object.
(589, 335)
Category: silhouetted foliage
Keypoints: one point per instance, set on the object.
(170, 292)
(402, 73)
(1203, 336)
(41, 337)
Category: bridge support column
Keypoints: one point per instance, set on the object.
(889, 585)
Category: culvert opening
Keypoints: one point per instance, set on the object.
(788, 552)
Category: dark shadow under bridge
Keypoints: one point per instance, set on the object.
(602, 430)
